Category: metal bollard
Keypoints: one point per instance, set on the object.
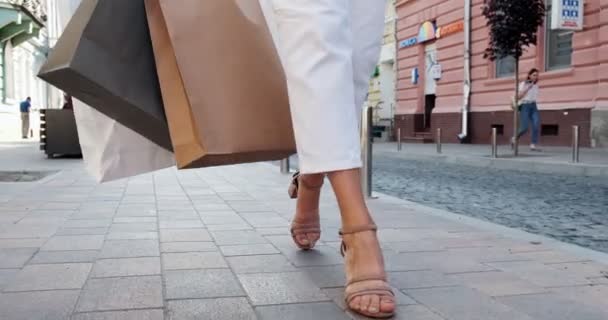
(575, 144)
(494, 143)
(399, 145)
(439, 140)
(366, 151)
(285, 166)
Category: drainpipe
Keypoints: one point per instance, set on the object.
(466, 94)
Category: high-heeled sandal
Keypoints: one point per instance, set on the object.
(298, 228)
(366, 284)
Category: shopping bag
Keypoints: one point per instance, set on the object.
(104, 58)
(112, 151)
(222, 82)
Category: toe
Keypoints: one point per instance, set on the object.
(313, 237)
(387, 305)
(365, 300)
(355, 304)
(374, 304)
(302, 239)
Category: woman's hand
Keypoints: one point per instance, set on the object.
(524, 92)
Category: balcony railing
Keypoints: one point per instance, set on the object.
(36, 8)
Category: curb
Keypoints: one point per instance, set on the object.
(571, 169)
(517, 234)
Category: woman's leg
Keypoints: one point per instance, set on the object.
(305, 225)
(316, 46)
(364, 256)
(535, 117)
(524, 120)
(314, 41)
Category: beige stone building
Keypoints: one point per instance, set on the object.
(382, 83)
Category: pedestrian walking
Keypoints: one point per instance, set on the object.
(25, 107)
(329, 49)
(529, 115)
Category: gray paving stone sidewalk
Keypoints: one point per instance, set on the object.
(214, 244)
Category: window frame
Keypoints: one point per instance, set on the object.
(548, 43)
(497, 65)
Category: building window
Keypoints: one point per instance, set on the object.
(549, 130)
(505, 67)
(500, 129)
(558, 46)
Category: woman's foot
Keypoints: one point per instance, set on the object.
(305, 227)
(534, 147)
(367, 291)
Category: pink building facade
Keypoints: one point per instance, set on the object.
(573, 71)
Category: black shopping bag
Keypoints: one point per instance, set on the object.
(105, 59)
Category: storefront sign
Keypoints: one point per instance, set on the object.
(450, 29)
(408, 42)
(567, 14)
(427, 32)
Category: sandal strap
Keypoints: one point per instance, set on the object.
(300, 231)
(378, 292)
(353, 230)
(358, 229)
(297, 228)
(376, 277)
(378, 289)
(296, 181)
(305, 227)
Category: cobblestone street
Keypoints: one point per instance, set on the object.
(568, 208)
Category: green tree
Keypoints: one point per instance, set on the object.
(513, 27)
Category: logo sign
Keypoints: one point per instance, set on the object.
(408, 42)
(450, 29)
(427, 32)
(567, 14)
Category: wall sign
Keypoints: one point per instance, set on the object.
(415, 76)
(436, 71)
(567, 14)
(427, 32)
(408, 42)
(450, 29)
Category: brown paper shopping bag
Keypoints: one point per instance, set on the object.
(222, 82)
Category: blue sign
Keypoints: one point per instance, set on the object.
(415, 76)
(408, 42)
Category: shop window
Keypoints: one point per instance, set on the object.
(558, 46)
(500, 129)
(549, 130)
(505, 67)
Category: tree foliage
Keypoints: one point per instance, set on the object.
(513, 26)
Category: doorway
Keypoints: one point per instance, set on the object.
(429, 105)
(430, 84)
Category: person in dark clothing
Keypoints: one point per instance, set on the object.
(25, 107)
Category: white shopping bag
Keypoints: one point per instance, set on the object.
(112, 151)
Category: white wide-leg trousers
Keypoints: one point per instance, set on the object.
(329, 49)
